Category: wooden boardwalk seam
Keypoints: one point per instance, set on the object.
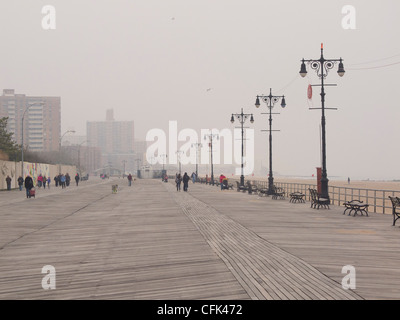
(264, 270)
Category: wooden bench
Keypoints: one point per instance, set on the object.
(297, 197)
(395, 205)
(277, 193)
(356, 206)
(262, 191)
(251, 188)
(316, 200)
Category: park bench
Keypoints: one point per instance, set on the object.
(356, 206)
(395, 205)
(241, 188)
(251, 188)
(262, 191)
(277, 192)
(316, 200)
(297, 197)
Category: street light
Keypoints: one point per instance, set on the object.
(179, 152)
(79, 157)
(322, 66)
(59, 149)
(242, 117)
(164, 159)
(211, 136)
(270, 100)
(197, 145)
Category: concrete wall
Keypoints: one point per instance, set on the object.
(13, 169)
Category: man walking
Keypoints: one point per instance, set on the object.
(20, 182)
(28, 185)
(8, 181)
(185, 180)
(129, 179)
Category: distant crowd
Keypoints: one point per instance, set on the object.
(62, 180)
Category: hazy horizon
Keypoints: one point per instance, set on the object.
(198, 62)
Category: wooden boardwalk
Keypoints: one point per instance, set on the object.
(149, 241)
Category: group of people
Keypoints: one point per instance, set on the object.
(179, 179)
(60, 180)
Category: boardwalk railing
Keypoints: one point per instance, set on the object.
(378, 200)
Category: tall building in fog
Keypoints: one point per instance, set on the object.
(41, 116)
(114, 138)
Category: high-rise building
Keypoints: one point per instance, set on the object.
(34, 121)
(115, 138)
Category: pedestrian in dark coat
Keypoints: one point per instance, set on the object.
(20, 183)
(185, 180)
(8, 181)
(28, 184)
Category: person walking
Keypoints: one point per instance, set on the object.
(63, 180)
(44, 182)
(77, 179)
(67, 179)
(20, 182)
(56, 181)
(8, 181)
(193, 177)
(129, 179)
(28, 184)
(40, 181)
(185, 180)
(178, 181)
(48, 182)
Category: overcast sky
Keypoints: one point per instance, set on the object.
(198, 62)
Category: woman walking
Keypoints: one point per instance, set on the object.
(178, 181)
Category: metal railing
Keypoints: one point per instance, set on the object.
(378, 200)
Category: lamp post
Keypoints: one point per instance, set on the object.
(270, 100)
(164, 159)
(211, 136)
(322, 66)
(123, 174)
(242, 117)
(79, 157)
(59, 149)
(197, 145)
(179, 152)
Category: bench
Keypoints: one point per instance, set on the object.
(316, 200)
(395, 205)
(357, 206)
(277, 193)
(241, 188)
(297, 197)
(262, 191)
(251, 188)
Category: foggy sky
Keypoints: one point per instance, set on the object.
(152, 61)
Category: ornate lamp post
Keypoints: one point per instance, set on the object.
(197, 145)
(270, 100)
(322, 66)
(211, 136)
(242, 117)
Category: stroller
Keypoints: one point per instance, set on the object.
(32, 193)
